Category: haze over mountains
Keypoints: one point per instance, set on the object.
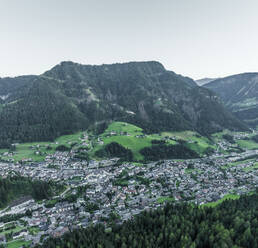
(240, 95)
(71, 96)
(204, 81)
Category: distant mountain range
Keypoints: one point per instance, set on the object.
(240, 95)
(71, 97)
(203, 81)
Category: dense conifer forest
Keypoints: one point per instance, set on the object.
(115, 150)
(163, 151)
(12, 188)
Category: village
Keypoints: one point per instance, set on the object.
(107, 191)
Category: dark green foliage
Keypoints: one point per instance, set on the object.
(82, 155)
(14, 187)
(38, 113)
(209, 151)
(62, 148)
(143, 180)
(70, 198)
(229, 138)
(234, 223)
(162, 151)
(8, 85)
(99, 128)
(255, 138)
(71, 97)
(115, 150)
(13, 217)
(239, 93)
(91, 207)
(155, 142)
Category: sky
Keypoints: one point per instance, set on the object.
(195, 38)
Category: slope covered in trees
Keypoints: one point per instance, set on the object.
(71, 97)
(163, 151)
(115, 150)
(12, 188)
(240, 95)
(232, 224)
(39, 114)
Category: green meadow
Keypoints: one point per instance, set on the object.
(238, 163)
(17, 243)
(15, 229)
(226, 197)
(248, 144)
(40, 151)
(127, 135)
(135, 139)
(250, 168)
(195, 141)
(165, 199)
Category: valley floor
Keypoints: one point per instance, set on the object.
(105, 191)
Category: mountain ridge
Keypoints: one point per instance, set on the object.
(71, 96)
(240, 94)
(204, 81)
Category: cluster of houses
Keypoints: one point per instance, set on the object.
(105, 190)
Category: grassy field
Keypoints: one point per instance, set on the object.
(138, 164)
(33, 230)
(16, 229)
(248, 144)
(189, 171)
(250, 168)
(220, 134)
(69, 139)
(130, 141)
(133, 143)
(195, 142)
(128, 135)
(135, 140)
(240, 143)
(226, 197)
(226, 131)
(40, 151)
(165, 199)
(17, 243)
(123, 127)
(238, 163)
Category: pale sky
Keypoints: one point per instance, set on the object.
(195, 38)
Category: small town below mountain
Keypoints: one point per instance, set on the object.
(110, 191)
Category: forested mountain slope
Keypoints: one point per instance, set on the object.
(240, 95)
(71, 96)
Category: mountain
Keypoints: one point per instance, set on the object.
(240, 95)
(203, 81)
(71, 96)
(10, 85)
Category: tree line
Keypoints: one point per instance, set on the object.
(231, 224)
(164, 151)
(12, 188)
